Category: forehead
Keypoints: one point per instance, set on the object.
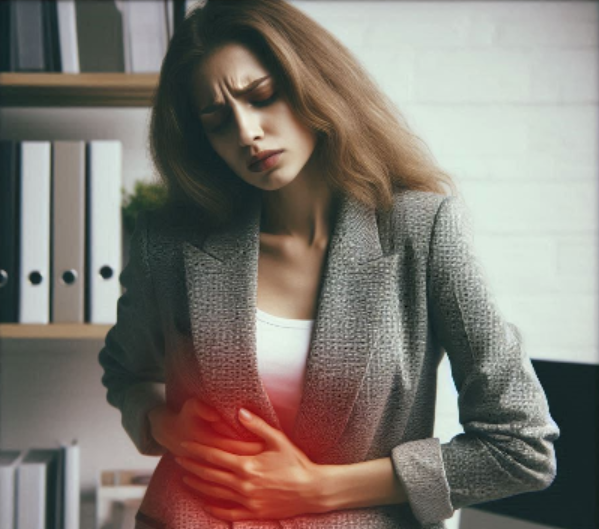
(231, 66)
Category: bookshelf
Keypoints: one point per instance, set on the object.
(53, 331)
(71, 90)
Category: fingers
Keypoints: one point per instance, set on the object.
(226, 441)
(224, 429)
(241, 448)
(202, 410)
(257, 425)
(235, 446)
(213, 456)
(214, 476)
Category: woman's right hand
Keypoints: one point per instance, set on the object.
(197, 422)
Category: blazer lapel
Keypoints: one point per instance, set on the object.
(221, 279)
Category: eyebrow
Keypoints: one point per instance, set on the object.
(237, 92)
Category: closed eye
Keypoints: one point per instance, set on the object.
(265, 102)
(260, 104)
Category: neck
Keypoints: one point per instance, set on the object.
(302, 211)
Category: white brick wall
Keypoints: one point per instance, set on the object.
(506, 96)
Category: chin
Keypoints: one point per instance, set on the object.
(270, 182)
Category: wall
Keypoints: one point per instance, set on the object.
(504, 93)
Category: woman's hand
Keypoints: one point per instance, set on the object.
(197, 422)
(277, 483)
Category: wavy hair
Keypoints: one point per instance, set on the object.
(364, 145)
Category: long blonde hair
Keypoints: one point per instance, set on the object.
(365, 146)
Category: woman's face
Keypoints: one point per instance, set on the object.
(241, 123)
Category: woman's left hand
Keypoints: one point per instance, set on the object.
(279, 482)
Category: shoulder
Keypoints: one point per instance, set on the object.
(417, 206)
(413, 216)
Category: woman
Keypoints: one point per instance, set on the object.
(310, 269)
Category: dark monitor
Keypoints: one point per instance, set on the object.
(572, 500)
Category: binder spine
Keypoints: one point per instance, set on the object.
(105, 229)
(35, 232)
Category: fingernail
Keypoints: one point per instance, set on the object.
(244, 414)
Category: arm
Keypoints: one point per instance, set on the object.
(363, 484)
(507, 444)
(133, 354)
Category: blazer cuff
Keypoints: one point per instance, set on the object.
(138, 401)
(419, 466)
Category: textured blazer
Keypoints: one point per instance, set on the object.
(399, 289)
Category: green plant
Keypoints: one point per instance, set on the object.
(145, 196)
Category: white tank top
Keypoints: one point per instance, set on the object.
(282, 346)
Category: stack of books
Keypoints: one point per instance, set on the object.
(39, 488)
(74, 36)
(60, 231)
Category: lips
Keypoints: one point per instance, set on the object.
(266, 163)
(261, 157)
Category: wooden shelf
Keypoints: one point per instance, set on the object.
(71, 90)
(56, 331)
(74, 90)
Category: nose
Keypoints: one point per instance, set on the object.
(248, 125)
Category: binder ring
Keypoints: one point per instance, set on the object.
(35, 278)
(106, 272)
(69, 277)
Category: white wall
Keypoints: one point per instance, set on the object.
(504, 93)
(506, 96)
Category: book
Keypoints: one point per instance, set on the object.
(71, 505)
(38, 486)
(67, 33)
(51, 40)
(145, 35)
(99, 36)
(104, 230)
(34, 289)
(27, 36)
(9, 230)
(9, 461)
(68, 231)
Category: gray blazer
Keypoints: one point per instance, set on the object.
(399, 290)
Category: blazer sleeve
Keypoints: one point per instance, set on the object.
(506, 447)
(133, 353)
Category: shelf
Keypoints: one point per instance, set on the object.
(74, 90)
(56, 331)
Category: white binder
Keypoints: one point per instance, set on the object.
(67, 32)
(145, 34)
(72, 463)
(34, 298)
(36, 487)
(104, 232)
(9, 462)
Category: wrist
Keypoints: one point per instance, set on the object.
(324, 488)
(364, 484)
